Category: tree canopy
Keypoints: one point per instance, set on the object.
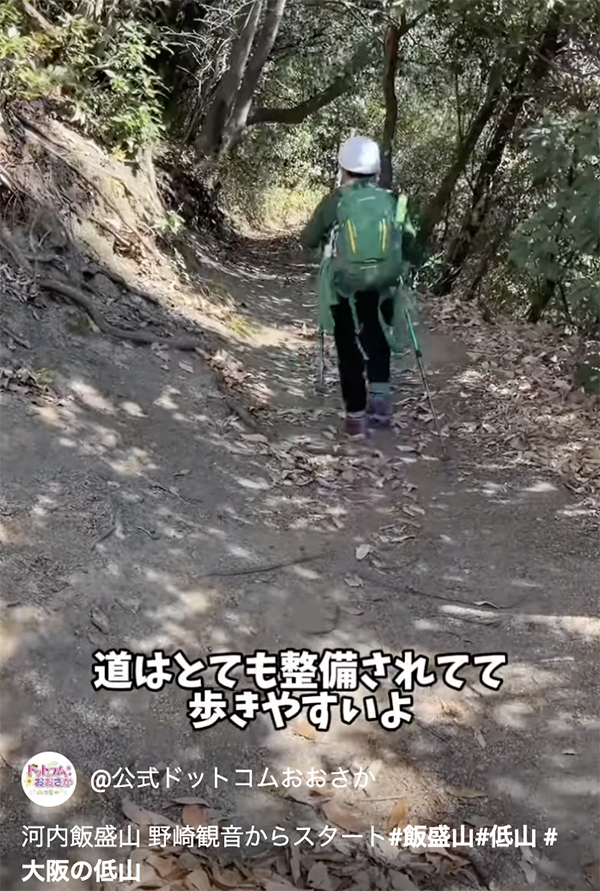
(487, 113)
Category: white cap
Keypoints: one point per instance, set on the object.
(360, 155)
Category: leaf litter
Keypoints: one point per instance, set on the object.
(529, 404)
(338, 866)
(296, 464)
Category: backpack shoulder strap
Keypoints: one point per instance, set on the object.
(401, 209)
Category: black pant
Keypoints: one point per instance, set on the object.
(373, 341)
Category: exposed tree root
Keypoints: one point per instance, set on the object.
(75, 295)
(15, 255)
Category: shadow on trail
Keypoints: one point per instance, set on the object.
(119, 498)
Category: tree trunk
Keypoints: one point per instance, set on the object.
(551, 282)
(390, 67)
(210, 138)
(486, 258)
(262, 50)
(541, 301)
(438, 204)
(521, 88)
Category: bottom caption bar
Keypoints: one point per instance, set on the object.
(414, 838)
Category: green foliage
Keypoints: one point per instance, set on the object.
(172, 223)
(117, 92)
(99, 76)
(559, 241)
(114, 67)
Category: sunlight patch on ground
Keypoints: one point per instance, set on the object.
(239, 551)
(516, 715)
(9, 641)
(133, 410)
(165, 400)
(136, 462)
(91, 397)
(583, 626)
(258, 485)
(541, 486)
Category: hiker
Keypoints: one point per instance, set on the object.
(366, 239)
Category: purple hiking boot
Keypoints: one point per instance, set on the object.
(355, 425)
(381, 411)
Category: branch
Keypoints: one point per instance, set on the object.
(342, 84)
(298, 113)
(35, 18)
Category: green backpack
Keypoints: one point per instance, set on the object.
(367, 241)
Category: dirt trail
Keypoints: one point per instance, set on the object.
(143, 447)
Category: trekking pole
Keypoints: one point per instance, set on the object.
(320, 387)
(419, 357)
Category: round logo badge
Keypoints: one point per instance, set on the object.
(49, 779)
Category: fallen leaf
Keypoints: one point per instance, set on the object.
(342, 817)
(194, 816)
(277, 885)
(143, 817)
(187, 859)
(167, 866)
(362, 551)
(406, 522)
(592, 871)
(401, 882)
(353, 581)
(362, 880)
(413, 510)
(149, 878)
(318, 877)
(302, 728)
(185, 367)
(352, 609)
(480, 739)
(465, 792)
(478, 821)
(100, 620)
(485, 603)
(294, 856)
(227, 878)
(398, 817)
(191, 800)
(198, 880)
(299, 793)
(570, 752)
(255, 437)
(530, 873)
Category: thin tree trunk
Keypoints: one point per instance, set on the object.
(522, 86)
(541, 300)
(486, 258)
(211, 136)
(438, 204)
(390, 67)
(262, 50)
(548, 288)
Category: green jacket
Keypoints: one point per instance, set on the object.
(317, 231)
(316, 235)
